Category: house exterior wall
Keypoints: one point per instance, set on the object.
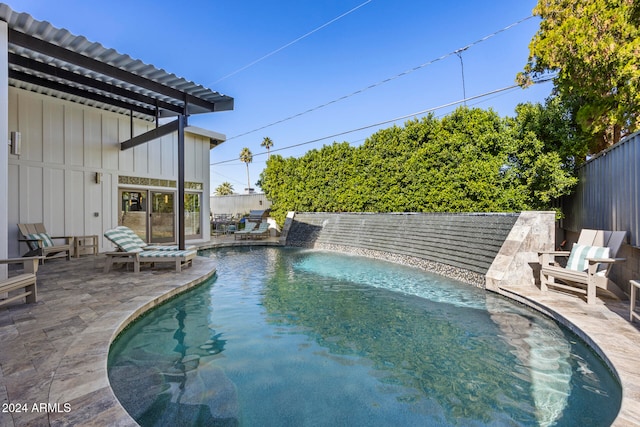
(64, 145)
(4, 130)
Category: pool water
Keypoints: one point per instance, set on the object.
(297, 337)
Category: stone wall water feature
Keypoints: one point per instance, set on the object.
(482, 249)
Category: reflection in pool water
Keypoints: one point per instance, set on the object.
(301, 337)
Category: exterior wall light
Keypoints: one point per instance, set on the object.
(15, 142)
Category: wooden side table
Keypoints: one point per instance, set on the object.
(82, 243)
(633, 288)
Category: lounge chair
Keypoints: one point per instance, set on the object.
(144, 245)
(248, 228)
(130, 252)
(40, 243)
(261, 232)
(588, 266)
(26, 280)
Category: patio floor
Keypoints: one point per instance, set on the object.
(53, 356)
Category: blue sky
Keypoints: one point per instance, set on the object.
(211, 42)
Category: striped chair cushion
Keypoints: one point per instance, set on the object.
(167, 248)
(122, 240)
(144, 245)
(132, 235)
(579, 254)
(167, 254)
(43, 237)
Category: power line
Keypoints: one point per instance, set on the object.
(429, 110)
(419, 113)
(292, 42)
(227, 177)
(387, 80)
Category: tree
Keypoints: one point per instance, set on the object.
(594, 47)
(247, 157)
(469, 161)
(267, 143)
(224, 189)
(554, 124)
(540, 156)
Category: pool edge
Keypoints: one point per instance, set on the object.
(81, 379)
(603, 327)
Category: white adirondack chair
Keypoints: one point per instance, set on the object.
(592, 258)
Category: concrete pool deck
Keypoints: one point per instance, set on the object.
(53, 354)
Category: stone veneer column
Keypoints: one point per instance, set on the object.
(517, 261)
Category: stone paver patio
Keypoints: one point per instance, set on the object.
(53, 354)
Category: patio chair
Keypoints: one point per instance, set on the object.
(40, 243)
(588, 266)
(248, 228)
(26, 280)
(130, 252)
(261, 232)
(144, 245)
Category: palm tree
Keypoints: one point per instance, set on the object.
(247, 157)
(224, 189)
(267, 143)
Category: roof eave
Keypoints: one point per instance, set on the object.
(59, 62)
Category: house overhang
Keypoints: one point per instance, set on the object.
(215, 138)
(52, 61)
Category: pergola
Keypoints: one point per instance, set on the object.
(52, 61)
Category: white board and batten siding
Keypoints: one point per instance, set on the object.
(64, 145)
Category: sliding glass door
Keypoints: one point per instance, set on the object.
(162, 222)
(150, 214)
(192, 215)
(134, 211)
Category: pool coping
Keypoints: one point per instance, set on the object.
(97, 339)
(79, 378)
(72, 382)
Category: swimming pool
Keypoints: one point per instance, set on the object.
(296, 337)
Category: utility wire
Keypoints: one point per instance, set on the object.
(419, 113)
(429, 110)
(290, 43)
(404, 73)
(227, 177)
